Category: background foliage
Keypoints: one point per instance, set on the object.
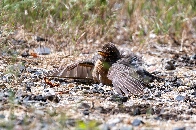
(97, 18)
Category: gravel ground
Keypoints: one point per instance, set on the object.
(26, 102)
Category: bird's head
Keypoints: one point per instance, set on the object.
(109, 53)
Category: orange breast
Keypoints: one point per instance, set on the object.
(100, 72)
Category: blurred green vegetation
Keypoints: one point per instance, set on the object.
(45, 15)
(90, 125)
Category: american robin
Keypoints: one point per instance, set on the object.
(110, 67)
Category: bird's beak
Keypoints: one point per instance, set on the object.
(102, 53)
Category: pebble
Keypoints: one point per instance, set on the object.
(70, 99)
(70, 122)
(2, 116)
(180, 98)
(39, 112)
(113, 122)
(40, 39)
(193, 104)
(48, 92)
(194, 93)
(170, 65)
(101, 91)
(137, 122)
(25, 53)
(118, 98)
(179, 128)
(86, 91)
(157, 94)
(30, 70)
(8, 77)
(126, 128)
(136, 111)
(1, 95)
(86, 112)
(84, 106)
(179, 82)
(102, 110)
(27, 98)
(96, 86)
(28, 88)
(104, 127)
(94, 91)
(42, 50)
(193, 56)
(40, 98)
(18, 41)
(19, 122)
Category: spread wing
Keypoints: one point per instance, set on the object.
(125, 79)
(80, 70)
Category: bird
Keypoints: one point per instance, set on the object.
(110, 67)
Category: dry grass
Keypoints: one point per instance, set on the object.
(89, 20)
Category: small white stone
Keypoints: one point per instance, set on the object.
(48, 92)
(152, 35)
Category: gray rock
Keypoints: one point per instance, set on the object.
(126, 128)
(8, 77)
(170, 65)
(2, 116)
(180, 98)
(43, 50)
(48, 92)
(113, 122)
(179, 128)
(86, 112)
(104, 127)
(137, 122)
(70, 122)
(84, 105)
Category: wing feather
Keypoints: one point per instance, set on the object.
(126, 79)
(78, 70)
